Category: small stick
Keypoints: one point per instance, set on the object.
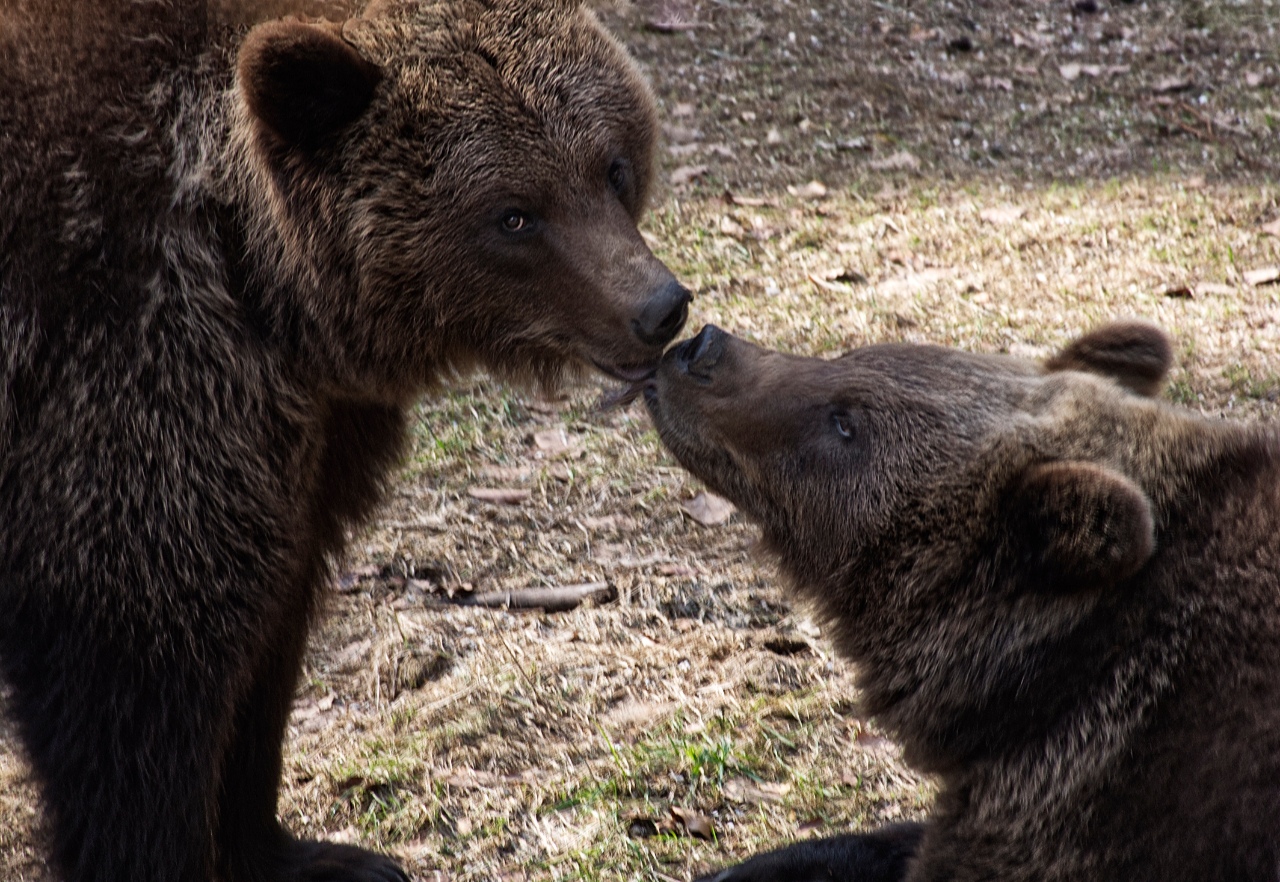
(558, 599)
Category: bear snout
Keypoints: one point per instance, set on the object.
(699, 355)
(664, 315)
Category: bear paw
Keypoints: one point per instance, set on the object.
(313, 861)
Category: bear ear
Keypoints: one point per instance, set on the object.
(303, 82)
(1077, 525)
(1135, 354)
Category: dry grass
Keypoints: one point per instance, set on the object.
(491, 745)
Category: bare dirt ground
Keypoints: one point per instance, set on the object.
(992, 176)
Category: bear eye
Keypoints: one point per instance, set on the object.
(514, 221)
(844, 425)
(618, 176)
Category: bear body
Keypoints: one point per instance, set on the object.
(230, 260)
(1062, 596)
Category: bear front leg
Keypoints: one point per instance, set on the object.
(123, 728)
(252, 844)
(881, 856)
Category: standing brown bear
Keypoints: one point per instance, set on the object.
(228, 264)
(1062, 596)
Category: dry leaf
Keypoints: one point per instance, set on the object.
(682, 134)
(745, 790)
(677, 570)
(1069, 72)
(686, 174)
(748, 201)
(696, 823)
(610, 523)
(1209, 289)
(1172, 84)
(832, 287)
(683, 109)
(827, 279)
(915, 281)
(505, 474)
(731, 227)
(670, 21)
(552, 442)
(1002, 215)
(472, 779)
(708, 509)
(900, 161)
(858, 143)
(546, 406)
(871, 742)
(637, 713)
(811, 190)
(1267, 275)
(1032, 39)
(502, 495)
(1272, 228)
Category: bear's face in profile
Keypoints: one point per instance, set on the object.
(465, 187)
(948, 512)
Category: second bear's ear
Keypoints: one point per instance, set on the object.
(1077, 525)
(1135, 354)
(303, 82)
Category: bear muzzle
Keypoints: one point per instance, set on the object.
(699, 355)
(663, 316)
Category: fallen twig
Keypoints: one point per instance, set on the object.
(560, 598)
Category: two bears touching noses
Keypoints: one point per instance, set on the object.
(236, 250)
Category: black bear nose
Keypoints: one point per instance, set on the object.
(698, 355)
(663, 316)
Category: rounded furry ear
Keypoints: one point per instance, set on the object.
(1135, 354)
(303, 81)
(1077, 525)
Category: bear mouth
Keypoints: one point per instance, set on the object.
(635, 374)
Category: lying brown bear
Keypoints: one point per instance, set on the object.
(1063, 597)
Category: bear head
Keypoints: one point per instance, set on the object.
(958, 519)
(448, 184)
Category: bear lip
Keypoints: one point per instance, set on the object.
(628, 373)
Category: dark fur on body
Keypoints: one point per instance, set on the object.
(227, 266)
(1063, 597)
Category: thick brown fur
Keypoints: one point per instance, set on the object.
(1063, 597)
(229, 260)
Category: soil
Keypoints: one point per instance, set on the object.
(768, 94)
